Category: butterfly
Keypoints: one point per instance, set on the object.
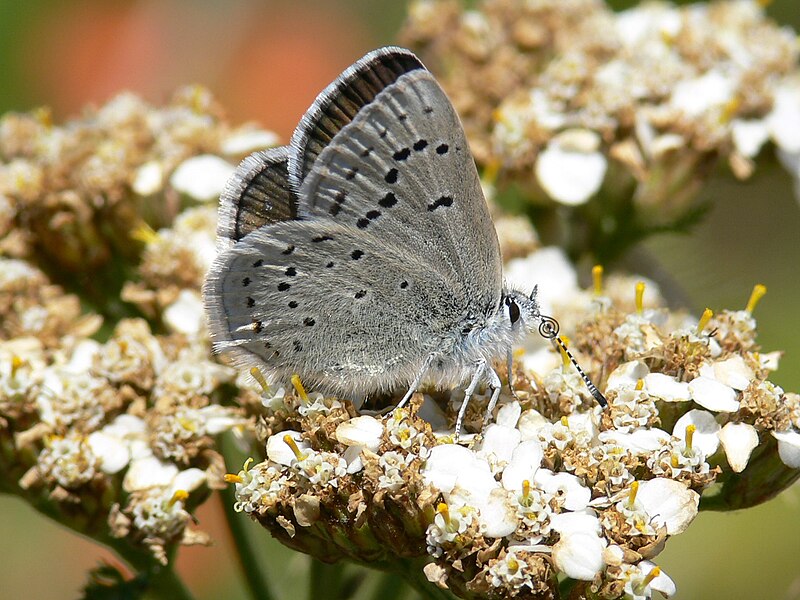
(362, 255)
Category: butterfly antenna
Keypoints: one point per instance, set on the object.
(548, 328)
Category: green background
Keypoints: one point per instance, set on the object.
(266, 61)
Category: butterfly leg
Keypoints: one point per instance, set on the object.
(510, 366)
(495, 385)
(480, 368)
(415, 384)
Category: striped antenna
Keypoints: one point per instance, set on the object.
(548, 328)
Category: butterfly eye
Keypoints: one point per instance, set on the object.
(513, 311)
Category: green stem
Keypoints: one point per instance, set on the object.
(244, 545)
(166, 584)
(390, 587)
(325, 581)
(411, 571)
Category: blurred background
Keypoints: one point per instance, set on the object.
(265, 60)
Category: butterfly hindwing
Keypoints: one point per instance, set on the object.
(257, 194)
(320, 298)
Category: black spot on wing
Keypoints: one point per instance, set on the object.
(441, 201)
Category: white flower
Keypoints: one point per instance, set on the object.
(510, 571)
(498, 444)
(713, 395)
(639, 441)
(257, 487)
(68, 460)
(186, 314)
(738, 440)
(358, 433)
(447, 525)
(525, 461)
(627, 375)
(667, 503)
(281, 452)
(202, 177)
(551, 269)
(148, 178)
(393, 465)
(117, 443)
(666, 388)
(732, 372)
(322, 468)
(467, 480)
(572, 167)
(246, 141)
(749, 136)
(363, 431)
(579, 551)
(693, 97)
(705, 434)
(788, 447)
(642, 579)
(567, 488)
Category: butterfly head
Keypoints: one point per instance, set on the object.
(519, 313)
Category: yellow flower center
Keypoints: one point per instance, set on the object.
(597, 278)
(298, 386)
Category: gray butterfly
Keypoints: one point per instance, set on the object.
(362, 256)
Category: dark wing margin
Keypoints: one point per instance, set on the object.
(341, 101)
(257, 194)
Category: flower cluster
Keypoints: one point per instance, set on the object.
(555, 486)
(573, 100)
(128, 421)
(77, 195)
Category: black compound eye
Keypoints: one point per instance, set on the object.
(513, 311)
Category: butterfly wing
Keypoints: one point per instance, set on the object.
(401, 170)
(257, 194)
(344, 309)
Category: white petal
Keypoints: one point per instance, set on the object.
(352, 457)
(149, 178)
(583, 521)
(186, 314)
(668, 503)
(499, 442)
(126, 425)
(148, 472)
(247, 141)
(363, 431)
(749, 136)
(666, 388)
(202, 177)
(789, 447)
(551, 269)
(112, 452)
(626, 375)
(713, 395)
(188, 480)
(568, 173)
(579, 555)
(525, 461)
(508, 414)
(705, 436)
(738, 440)
(530, 423)
(695, 96)
(280, 452)
(663, 583)
(497, 518)
(576, 495)
(446, 462)
(638, 441)
(784, 120)
(732, 372)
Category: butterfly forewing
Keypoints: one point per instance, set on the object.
(402, 171)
